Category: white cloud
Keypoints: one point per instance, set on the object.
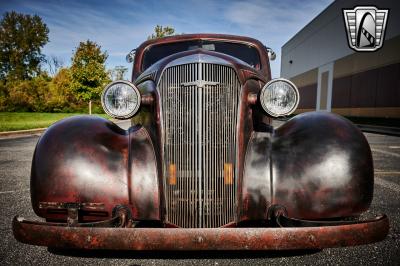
(73, 22)
(122, 25)
(273, 22)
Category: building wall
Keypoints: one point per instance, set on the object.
(332, 77)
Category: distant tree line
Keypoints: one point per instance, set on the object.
(25, 83)
(160, 31)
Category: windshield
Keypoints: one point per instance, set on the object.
(241, 51)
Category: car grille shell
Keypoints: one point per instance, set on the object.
(199, 118)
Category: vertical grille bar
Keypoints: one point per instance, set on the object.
(200, 136)
(199, 125)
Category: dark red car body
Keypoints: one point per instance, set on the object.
(298, 186)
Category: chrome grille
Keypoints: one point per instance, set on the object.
(199, 107)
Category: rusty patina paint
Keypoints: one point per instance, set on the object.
(256, 187)
(263, 73)
(87, 159)
(322, 167)
(143, 176)
(316, 165)
(200, 239)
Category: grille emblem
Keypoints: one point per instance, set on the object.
(365, 27)
(199, 83)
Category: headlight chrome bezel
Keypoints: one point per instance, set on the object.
(264, 105)
(134, 89)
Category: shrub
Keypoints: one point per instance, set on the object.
(29, 95)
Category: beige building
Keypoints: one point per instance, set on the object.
(332, 77)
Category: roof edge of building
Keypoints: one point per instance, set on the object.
(308, 24)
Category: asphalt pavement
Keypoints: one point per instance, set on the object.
(15, 163)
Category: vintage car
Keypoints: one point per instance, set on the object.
(202, 167)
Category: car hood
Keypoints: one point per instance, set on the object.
(243, 70)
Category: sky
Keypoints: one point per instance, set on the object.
(122, 25)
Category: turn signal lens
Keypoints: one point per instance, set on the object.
(172, 174)
(228, 174)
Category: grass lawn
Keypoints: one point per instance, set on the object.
(18, 121)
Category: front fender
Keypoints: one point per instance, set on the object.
(318, 165)
(322, 167)
(86, 160)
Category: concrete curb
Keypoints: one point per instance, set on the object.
(383, 130)
(391, 131)
(35, 131)
(25, 132)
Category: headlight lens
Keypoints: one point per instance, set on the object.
(121, 99)
(279, 97)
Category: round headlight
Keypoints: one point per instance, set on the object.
(120, 99)
(279, 97)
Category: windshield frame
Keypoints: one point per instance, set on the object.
(265, 70)
(200, 40)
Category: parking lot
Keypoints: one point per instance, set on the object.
(15, 163)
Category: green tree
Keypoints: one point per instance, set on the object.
(21, 39)
(3, 96)
(62, 96)
(160, 31)
(88, 72)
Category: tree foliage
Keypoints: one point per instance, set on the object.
(62, 96)
(88, 72)
(29, 95)
(25, 87)
(21, 39)
(160, 31)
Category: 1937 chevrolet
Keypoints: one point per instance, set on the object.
(202, 167)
